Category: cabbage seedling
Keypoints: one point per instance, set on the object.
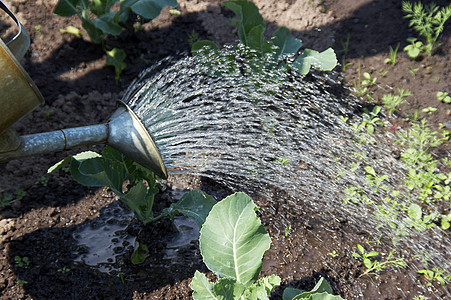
(321, 291)
(251, 27)
(232, 243)
(112, 169)
(100, 21)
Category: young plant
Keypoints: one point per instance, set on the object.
(140, 253)
(428, 20)
(391, 101)
(251, 27)
(392, 57)
(113, 169)
(436, 274)
(443, 97)
(375, 265)
(371, 119)
(22, 262)
(321, 291)
(100, 21)
(232, 243)
(415, 47)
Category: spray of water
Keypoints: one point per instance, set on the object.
(254, 125)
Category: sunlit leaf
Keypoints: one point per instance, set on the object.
(233, 240)
(202, 288)
(115, 58)
(324, 61)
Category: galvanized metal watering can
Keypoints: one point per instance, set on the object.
(19, 96)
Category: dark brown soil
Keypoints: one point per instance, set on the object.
(80, 89)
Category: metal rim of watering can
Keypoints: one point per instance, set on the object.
(20, 43)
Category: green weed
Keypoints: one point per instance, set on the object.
(371, 119)
(392, 56)
(362, 86)
(22, 282)
(428, 21)
(100, 21)
(6, 199)
(415, 48)
(392, 101)
(333, 253)
(413, 71)
(64, 270)
(436, 274)
(443, 97)
(374, 265)
(429, 110)
(345, 50)
(287, 230)
(22, 262)
(374, 179)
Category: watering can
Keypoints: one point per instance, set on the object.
(19, 96)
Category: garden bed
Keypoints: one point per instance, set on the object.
(80, 89)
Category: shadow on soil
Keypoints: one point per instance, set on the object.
(54, 271)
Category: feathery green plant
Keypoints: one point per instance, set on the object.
(428, 20)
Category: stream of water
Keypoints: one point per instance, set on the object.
(256, 130)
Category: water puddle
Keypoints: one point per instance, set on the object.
(102, 240)
(187, 233)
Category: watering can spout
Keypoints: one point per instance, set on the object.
(128, 135)
(124, 132)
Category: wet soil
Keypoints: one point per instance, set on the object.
(80, 89)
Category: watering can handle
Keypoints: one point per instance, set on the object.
(21, 41)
